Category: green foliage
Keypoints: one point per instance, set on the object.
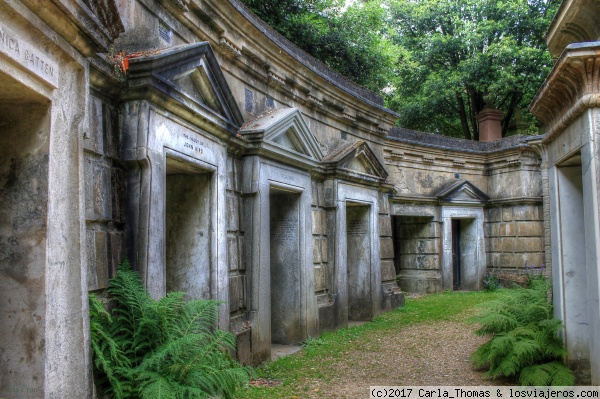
(491, 282)
(524, 338)
(458, 56)
(352, 41)
(533, 273)
(166, 348)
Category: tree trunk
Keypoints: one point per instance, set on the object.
(476, 106)
(463, 116)
(514, 100)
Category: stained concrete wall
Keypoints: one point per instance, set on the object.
(321, 254)
(105, 193)
(580, 244)
(261, 178)
(285, 268)
(23, 213)
(358, 258)
(417, 248)
(514, 237)
(574, 276)
(236, 261)
(507, 171)
(188, 238)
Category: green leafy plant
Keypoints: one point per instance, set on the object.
(533, 273)
(524, 338)
(166, 348)
(491, 282)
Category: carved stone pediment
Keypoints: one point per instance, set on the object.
(462, 192)
(282, 134)
(190, 75)
(355, 161)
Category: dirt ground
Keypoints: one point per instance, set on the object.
(432, 354)
(429, 354)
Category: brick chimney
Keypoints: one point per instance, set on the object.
(490, 126)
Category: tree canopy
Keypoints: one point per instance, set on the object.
(437, 62)
(350, 40)
(457, 56)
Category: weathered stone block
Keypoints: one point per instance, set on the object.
(237, 173)
(119, 191)
(233, 219)
(243, 345)
(536, 259)
(422, 262)
(528, 244)
(504, 244)
(230, 183)
(320, 278)
(507, 214)
(243, 260)
(318, 195)
(95, 132)
(102, 258)
(501, 229)
(526, 212)
(420, 285)
(317, 250)
(386, 248)
(383, 203)
(530, 229)
(97, 190)
(90, 246)
(427, 229)
(97, 249)
(318, 221)
(117, 250)
(419, 246)
(494, 214)
(388, 272)
(233, 258)
(385, 226)
(324, 249)
(236, 293)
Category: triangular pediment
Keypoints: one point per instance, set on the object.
(283, 132)
(191, 75)
(197, 86)
(355, 160)
(462, 191)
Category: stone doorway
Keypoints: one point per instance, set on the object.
(463, 248)
(24, 156)
(188, 230)
(573, 261)
(465, 274)
(359, 262)
(286, 315)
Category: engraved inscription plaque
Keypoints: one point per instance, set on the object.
(27, 55)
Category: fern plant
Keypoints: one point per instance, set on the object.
(166, 348)
(524, 338)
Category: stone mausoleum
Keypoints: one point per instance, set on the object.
(225, 162)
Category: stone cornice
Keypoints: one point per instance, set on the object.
(576, 21)
(571, 88)
(272, 59)
(89, 26)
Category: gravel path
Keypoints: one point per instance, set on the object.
(434, 354)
